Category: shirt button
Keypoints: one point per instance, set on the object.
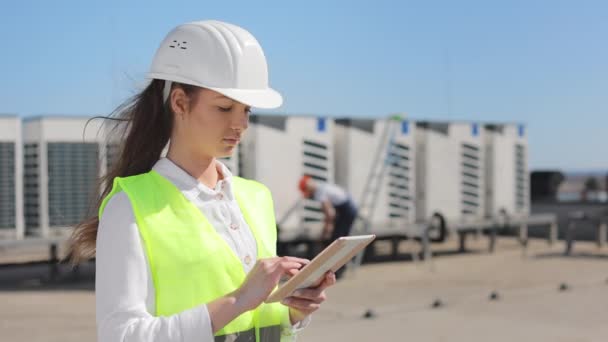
(247, 260)
(234, 226)
(219, 196)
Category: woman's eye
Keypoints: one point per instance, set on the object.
(224, 109)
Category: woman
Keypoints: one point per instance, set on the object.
(184, 250)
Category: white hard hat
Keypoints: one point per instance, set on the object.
(217, 56)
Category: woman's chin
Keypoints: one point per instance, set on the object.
(226, 151)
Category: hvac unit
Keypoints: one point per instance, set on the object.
(450, 173)
(507, 180)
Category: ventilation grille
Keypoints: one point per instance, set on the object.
(72, 181)
(315, 163)
(7, 185)
(31, 191)
(471, 179)
(179, 45)
(520, 177)
(399, 181)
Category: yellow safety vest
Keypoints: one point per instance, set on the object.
(190, 262)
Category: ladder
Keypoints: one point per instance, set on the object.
(384, 156)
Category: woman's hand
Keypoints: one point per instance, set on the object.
(263, 278)
(304, 302)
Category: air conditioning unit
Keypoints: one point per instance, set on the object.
(507, 180)
(450, 172)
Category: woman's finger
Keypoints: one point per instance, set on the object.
(324, 282)
(329, 280)
(301, 304)
(289, 265)
(293, 259)
(316, 295)
(284, 269)
(290, 274)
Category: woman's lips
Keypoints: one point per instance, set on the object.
(232, 141)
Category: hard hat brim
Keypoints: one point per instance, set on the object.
(258, 98)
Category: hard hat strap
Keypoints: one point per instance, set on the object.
(167, 90)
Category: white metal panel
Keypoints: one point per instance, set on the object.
(277, 151)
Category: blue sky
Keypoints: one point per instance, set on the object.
(544, 63)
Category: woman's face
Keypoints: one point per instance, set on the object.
(211, 124)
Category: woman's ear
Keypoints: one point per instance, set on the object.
(180, 103)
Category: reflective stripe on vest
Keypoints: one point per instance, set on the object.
(190, 262)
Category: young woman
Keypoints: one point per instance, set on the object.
(185, 251)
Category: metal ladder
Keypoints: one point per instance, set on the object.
(384, 156)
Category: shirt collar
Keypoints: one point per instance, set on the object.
(191, 186)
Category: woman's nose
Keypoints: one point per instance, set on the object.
(240, 122)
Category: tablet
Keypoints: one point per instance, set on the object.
(331, 258)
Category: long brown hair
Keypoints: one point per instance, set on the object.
(149, 123)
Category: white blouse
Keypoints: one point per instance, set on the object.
(123, 284)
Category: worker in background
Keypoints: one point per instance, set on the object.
(337, 205)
